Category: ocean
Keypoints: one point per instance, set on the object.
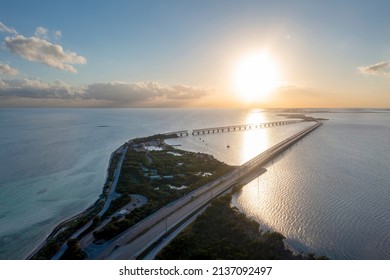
(328, 194)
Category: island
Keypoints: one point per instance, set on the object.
(146, 177)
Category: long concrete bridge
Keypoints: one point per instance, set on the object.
(241, 127)
(144, 236)
(275, 150)
(231, 128)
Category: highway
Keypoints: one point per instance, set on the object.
(87, 241)
(134, 241)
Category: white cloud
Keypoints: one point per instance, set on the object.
(41, 32)
(6, 29)
(181, 92)
(33, 88)
(36, 49)
(377, 69)
(57, 34)
(7, 70)
(119, 92)
(145, 94)
(115, 94)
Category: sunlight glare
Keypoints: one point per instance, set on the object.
(256, 76)
(255, 141)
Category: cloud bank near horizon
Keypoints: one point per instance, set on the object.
(112, 94)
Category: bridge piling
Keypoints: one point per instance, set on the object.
(241, 127)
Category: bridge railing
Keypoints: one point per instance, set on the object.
(241, 127)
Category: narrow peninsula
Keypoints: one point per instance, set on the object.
(154, 190)
(144, 175)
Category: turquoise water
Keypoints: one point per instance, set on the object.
(328, 194)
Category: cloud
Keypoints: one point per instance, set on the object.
(37, 89)
(113, 94)
(41, 32)
(149, 94)
(6, 29)
(378, 69)
(7, 70)
(57, 34)
(40, 50)
(180, 92)
(119, 92)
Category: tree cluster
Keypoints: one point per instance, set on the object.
(222, 232)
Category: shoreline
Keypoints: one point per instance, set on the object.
(74, 223)
(62, 225)
(211, 243)
(89, 213)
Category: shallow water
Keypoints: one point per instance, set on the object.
(328, 194)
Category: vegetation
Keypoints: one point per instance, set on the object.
(73, 252)
(65, 230)
(111, 168)
(157, 137)
(116, 204)
(222, 232)
(188, 169)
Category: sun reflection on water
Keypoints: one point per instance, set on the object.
(258, 195)
(254, 141)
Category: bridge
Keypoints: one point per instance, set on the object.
(179, 133)
(272, 152)
(230, 128)
(143, 237)
(241, 127)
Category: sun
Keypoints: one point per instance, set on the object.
(256, 76)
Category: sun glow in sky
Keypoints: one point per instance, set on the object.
(192, 53)
(256, 76)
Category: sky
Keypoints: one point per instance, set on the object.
(186, 53)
